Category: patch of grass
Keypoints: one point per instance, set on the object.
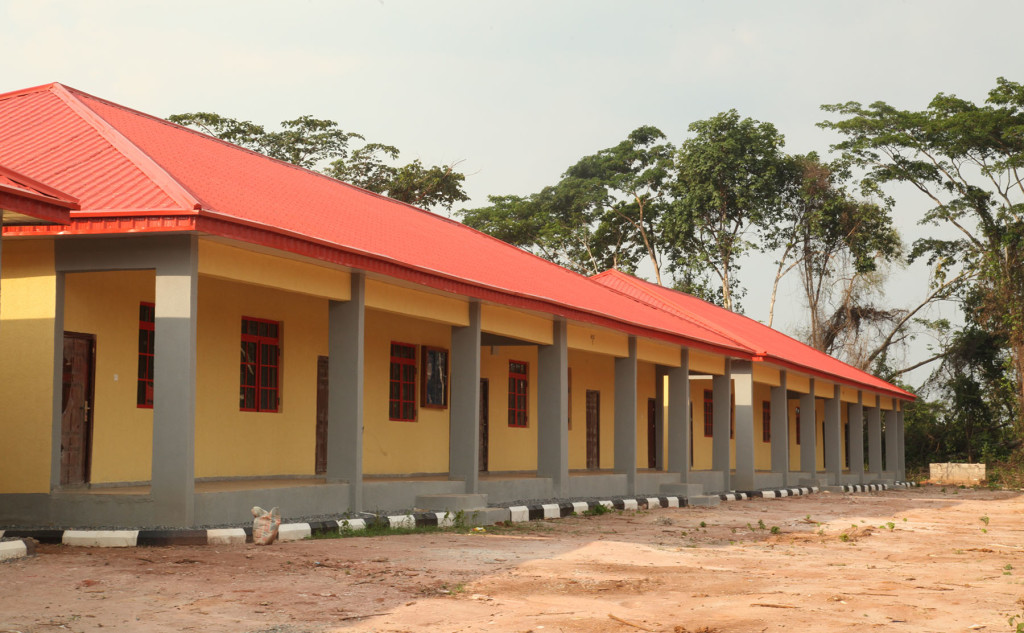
(597, 510)
(844, 537)
(703, 524)
(984, 520)
(761, 525)
(775, 530)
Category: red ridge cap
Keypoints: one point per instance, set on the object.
(156, 173)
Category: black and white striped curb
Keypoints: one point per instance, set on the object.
(298, 531)
(767, 494)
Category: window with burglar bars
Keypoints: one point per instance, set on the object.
(260, 365)
(402, 392)
(144, 392)
(766, 421)
(518, 381)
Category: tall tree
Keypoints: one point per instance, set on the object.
(605, 212)
(966, 159)
(321, 145)
(837, 243)
(731, 178)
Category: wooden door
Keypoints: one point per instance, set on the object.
(76, 409)
(322, 393)
(652, 433)
(593, 429)
(485, 398)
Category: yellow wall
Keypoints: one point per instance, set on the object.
(27, 303)
(595, 372)
(592, 339)
(659, 353)
(106, 305)
(422, 305)
(701, 363)
(766, 374)
(511, 448)
(230, 442)
(645, 388)
(237, 264)
(702, 445)
(798, 383)
(516, 324)
(393, 446)
(762, 449)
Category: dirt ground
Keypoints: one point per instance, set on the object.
(928, 559)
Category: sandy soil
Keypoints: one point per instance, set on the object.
(928, 559)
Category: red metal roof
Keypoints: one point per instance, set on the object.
(25, 199)
(767, 344)
(126, 164)
(133, 172)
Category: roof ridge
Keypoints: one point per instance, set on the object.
(689, 315)
(143, 161)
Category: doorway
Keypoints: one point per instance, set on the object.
(79, 371)
(485, 399)
(652, 433)
(322, 393)
(593, 429)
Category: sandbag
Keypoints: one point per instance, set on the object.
(265, 526)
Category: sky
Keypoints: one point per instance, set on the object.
(518, 91)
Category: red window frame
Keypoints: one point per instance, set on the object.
(518, 393)
(260, 366)
(402, 383)
(709, 413)
(766, 421)
(147, 330)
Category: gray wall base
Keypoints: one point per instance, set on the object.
(676, 489)
(712, 480)
(382, 496)
(450, 503)
(219, 508)
(769, 480)
(820, 480)
(517, 489)
(650, 483)
(610, 485)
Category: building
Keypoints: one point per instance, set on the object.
(214, 329)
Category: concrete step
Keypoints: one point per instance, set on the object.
(707, 501)
(676, 489)
(451, 502)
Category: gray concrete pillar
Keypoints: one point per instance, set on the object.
(625, 416)
(57, 403)
(743, 385)
(808, 433)
(346, 327)
(659, 416)
(174, 385)
(553, 409)
(464, 431)
(780, 429)
(855, 415)
(721, 393)
(901, 452)
(875, 440)
(892, 447)
(680, 430)
(833, 438)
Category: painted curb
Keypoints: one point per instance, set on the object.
(10, 550)
(299, 531)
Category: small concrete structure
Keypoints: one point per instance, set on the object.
(966, 474)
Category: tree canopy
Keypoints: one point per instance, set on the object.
(321, 145)
(966, 160)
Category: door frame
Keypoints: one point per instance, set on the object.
(320, 447)
(485, 425)
(90, 400)
(596, 422)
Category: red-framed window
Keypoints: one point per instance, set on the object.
(518, 384)
(144, 392)
(709, 413)
(766, 421)
(402, 392)
(798, 425)
(260, 370)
